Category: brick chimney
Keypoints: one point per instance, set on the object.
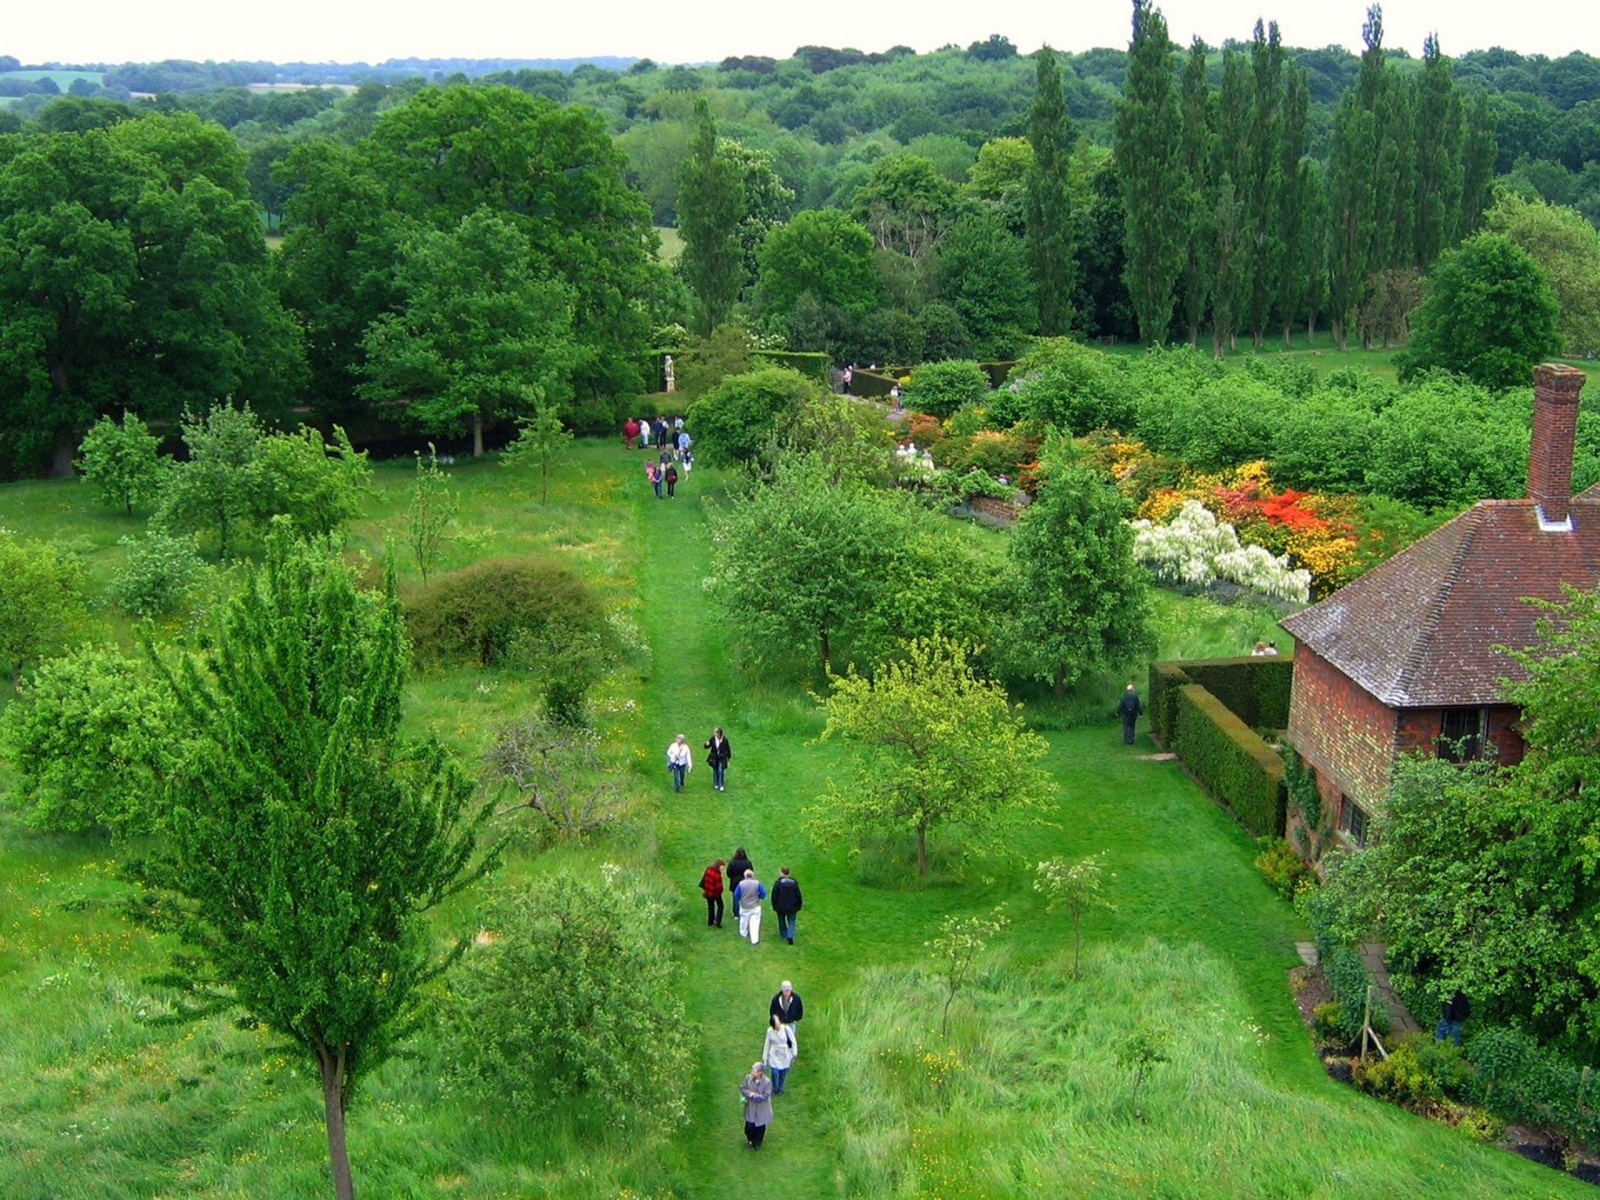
(1555, 427)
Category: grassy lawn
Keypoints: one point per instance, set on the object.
(671, 244)
(1024, 1099)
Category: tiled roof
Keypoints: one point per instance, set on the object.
(1420, 631)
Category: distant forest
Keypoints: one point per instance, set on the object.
(825, 115)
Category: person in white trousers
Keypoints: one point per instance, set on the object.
(747, 898)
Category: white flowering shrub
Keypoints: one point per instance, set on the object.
(1197, 549)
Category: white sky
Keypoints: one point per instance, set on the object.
(707, 30)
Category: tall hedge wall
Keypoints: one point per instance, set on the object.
(1165, 680)
(1230, 759)
(1256, 690)
(807, 363)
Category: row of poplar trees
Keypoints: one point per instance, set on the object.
(1229, 222)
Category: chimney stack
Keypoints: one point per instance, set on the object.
(1555, 428)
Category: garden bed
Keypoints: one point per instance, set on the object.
(1310, 988)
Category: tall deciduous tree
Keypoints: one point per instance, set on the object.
(1301, 250)
(483, 333)
(710, 209)
(821, 253)
(1149, 136)
(1052, 248)
(1489, 315)
(1567, 249)
(306, 841)
(1086, 606)
(939, 746)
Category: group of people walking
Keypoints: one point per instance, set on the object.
(735, 881)
(662, 471)
(771, 1071)
(747, 893)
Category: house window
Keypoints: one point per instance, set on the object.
(1353, 820)
(1463, 733)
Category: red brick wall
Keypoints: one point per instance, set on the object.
(1420, 728)
(1342, 730)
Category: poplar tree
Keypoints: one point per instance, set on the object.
(1229, 204)
(1052, 253)
(710, 209)
(1149, 137)
(1437, 205)
(1264, 246)
(1196, 104)
(1356, 246)
(1301, 256)
(1479, 151)
(306, 841)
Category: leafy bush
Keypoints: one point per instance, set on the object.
(735, 421)
(89, 738)
(43, 601)
(1074, 387)
(159, 572)
(1282, 867)
(516, 612)
(571, 995)
(940, 388)
(1327, 1022)
(1347, 977)
(1230, 760)
(1449, 444)
(987, 450)
(1520, 1081)
(1229, 421)
(1418, 1074)
(1195, 549)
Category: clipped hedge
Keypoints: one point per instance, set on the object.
(873, 385)
(998, 372)
(809, 363)
(1165, 680)
(1230, 759)
(1255, 689)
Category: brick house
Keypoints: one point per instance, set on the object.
(1404, 658)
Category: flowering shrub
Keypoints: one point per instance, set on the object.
(1314, 532)
(1197, 549)
(925, 429)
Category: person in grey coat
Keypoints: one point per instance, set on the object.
(757, 1092)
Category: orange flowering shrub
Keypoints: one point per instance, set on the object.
(1314, 531)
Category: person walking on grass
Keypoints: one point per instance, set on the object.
(672, 480)
(718, 752)
(737, 866)
(711, 887)
(786, 903)
(786, 1005)
(630, 430)
(678, 761)
(654, 476)
(780, 1052)
(1130, 710)
(644, 433)
(757, 1092)
(747, 898)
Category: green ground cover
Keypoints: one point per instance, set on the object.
(1024, 1099)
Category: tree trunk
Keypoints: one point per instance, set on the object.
(61, 455)
(477, 435)
(1061, 681)
(922, 849)
(1194, 337)
(827, 652)
(332, 1063)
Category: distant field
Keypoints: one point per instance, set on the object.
(64, 79)
(671, 244)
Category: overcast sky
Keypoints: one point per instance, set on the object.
(706, 30)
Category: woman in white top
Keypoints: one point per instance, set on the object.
(780, 1053)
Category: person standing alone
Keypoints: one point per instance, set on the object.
(1130, 710)
(672, 480)
(786, 903)
(718, 752)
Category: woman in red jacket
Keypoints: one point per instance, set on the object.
(711, 889)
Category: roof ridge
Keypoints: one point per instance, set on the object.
(1472, 523)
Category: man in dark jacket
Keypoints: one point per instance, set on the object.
(1456, 1010)
(786, 903)
(1130, 710)
(786, 1005)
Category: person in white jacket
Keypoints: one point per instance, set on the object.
(678, 761)
(780, 1053)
